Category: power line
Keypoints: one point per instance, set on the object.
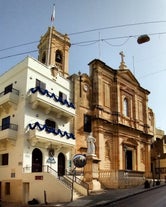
(88, 42)
(152, 73)
(23, 53)
(117, 45)
(92, 30)
(82, 43)
(115, 38)
(20, 45)
(117, 26)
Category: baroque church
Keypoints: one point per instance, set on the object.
(47, 116)
(112, 105)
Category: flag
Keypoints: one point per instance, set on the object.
(53, 14)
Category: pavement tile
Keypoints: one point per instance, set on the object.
(79, 203)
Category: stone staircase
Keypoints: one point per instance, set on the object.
(70, 181)
(67, 181)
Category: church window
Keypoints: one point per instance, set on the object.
(58, 56)
(125, 107)
(87, 123)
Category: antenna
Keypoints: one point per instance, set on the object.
(99, 46)
(133, 66)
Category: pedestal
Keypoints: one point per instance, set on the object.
(91, 172)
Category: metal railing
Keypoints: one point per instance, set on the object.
(76, 179)
(44, 168)
(9, 126)
(68, 179)
(13, 90)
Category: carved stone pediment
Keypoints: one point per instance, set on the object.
(130, 142)
(128, 77)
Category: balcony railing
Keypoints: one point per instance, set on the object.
(8, 99)
(13, 90)
(44, 134)
(9, 126)
(8, 132)
(51, 102)
(41, 127)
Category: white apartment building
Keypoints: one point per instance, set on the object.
(37, 140)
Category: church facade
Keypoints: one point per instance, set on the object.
(112, 105)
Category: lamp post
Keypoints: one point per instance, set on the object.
(159, 167)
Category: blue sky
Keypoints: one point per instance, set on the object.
(25, 21)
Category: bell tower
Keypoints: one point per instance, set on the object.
(54, 51)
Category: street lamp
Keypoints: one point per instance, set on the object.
(143, 38)
(159, 166)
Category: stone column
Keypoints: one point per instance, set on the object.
(91, 172)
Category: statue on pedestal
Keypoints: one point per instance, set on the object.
(91, 169)
(91, 144)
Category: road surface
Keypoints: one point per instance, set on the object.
(152, 198)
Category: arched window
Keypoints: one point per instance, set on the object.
(50, 124)
(58, 56)
(125, 107)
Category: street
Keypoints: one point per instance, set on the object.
(152, 198)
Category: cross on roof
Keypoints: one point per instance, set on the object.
(122, 64)
(122, 56)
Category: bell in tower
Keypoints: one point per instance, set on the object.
(54, 51)
(58, 57)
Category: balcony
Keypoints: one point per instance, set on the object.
(8, 100)
(8, 133)
(51, 103)
(42, 135)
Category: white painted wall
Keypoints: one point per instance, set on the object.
(23, 77)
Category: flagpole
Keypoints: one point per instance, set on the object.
(50, 36)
